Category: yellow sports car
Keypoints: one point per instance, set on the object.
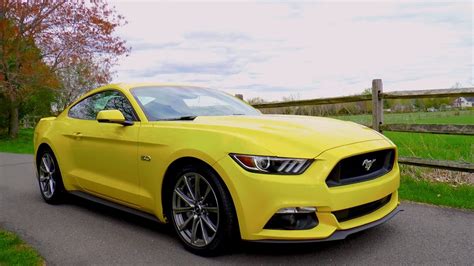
(215, 168)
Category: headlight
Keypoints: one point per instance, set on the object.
(272, 165)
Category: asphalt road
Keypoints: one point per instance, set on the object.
(79, 232)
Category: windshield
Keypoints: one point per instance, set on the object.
(168, 103)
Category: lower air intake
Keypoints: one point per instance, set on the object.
(361, 210)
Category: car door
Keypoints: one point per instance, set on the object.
(105, 154)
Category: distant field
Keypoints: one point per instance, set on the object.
(434, 146)
(430, 146)
(451, 117)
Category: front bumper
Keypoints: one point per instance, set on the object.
(257, 197)
(339, 235)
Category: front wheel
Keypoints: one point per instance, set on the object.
(202, 211)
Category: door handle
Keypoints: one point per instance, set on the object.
(77, 135)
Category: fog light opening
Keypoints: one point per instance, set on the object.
(295, 218)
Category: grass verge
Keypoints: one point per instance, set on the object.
(434, 146)
(13, 251)
(436, 193)
(23, 144)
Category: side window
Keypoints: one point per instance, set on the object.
(119, 102)
(108, 100)
(85, 109)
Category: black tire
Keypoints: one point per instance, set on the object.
(227, 232)
(55, 195)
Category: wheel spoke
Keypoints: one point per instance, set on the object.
(52, 168)
(205, 237)
(183, 226)
(206, 193)
(45, 164)
(42, 168)
(211, 209)
(51, 165)
(51, 186)
(182, 209)
(46, 187)
(194, 229)
(197, 193)
(189, 188)
(43, 178)
(186, 199)
(209, 223)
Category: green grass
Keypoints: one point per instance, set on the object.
(434, 146)
(13, 251)
(430, 146)
(437, 193)
(23, 144)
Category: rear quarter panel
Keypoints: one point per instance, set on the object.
(50, 131)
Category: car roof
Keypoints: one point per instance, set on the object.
(128, 86)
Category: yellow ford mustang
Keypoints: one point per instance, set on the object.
(216, 168)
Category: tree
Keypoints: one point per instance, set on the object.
(21, 71)
(68, 34)
(38, 103)
(367, 91)
(3, 114)
(366, 106)
(76, 79)
(256, 100)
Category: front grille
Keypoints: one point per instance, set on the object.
(354, 212)
(361, 167)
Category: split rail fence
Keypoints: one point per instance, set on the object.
(377, 98)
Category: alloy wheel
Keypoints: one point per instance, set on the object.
(195, 210)
(46, 175)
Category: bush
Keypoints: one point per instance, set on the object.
(38, 103)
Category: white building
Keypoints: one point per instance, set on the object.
(463, 102)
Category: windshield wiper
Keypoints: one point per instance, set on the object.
(187, 117)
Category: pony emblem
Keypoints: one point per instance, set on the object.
(367, 164)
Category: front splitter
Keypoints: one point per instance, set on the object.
(337, 235)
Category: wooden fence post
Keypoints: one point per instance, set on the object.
(377, 104)
(240, 96)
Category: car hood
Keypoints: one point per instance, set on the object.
(288, 135)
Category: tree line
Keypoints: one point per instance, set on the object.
(51, 52)
(355, 108)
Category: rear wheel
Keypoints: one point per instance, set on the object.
(49, 177)
(202, 211)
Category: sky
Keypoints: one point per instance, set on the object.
(301, 50)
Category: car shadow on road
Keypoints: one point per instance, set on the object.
(358, 242)
(119, 215)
